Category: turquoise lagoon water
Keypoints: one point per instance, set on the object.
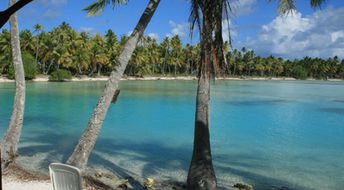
(273, 135)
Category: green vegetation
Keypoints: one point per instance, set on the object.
(30, 67)
(60, 75)
(93, 55)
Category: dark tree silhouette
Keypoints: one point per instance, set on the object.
(5, 15)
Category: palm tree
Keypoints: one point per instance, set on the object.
(259, 66)
(5, 50)
(99, 57)
(88, 139)
(38, 29)
(48, 51)
(26, 41)
(137, 62)
(81, 53)
(165, 53)
(207, 14)
(9, 146)
(112, 47)
(153, 55)
(176, 51)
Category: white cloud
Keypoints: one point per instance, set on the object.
(51, 10)
(51, 14)
(296, 36)
(154, 36)
(52, 2)
(178, 29)
(243, 7)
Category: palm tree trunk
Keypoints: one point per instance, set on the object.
(36, 57)
(201, 174)
(9, 146)
(87, 141)
(99, 69)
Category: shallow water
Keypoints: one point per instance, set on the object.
(274, 135)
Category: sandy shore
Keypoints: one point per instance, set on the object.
(148, 78)
(10, 183)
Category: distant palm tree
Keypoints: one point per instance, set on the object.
(9, 146)
(176, 51)
(165, 53)
(5, 50)
(112, 47)
(98, 54)
(81, 53)
(87, 141)
(26, 41)
(38, 29)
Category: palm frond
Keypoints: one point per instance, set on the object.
(286, 6)
(98, 6)
(317, 3)
(222, 9)
(195, 16)
(226, 9)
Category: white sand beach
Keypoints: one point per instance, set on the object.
(11, 183)
(45, 78)
(42, 78)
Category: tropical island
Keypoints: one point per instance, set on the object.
(143, 112)
(63, 53)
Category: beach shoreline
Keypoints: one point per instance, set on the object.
(18, 178)
(153, 78)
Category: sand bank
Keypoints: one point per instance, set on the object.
(149, 78)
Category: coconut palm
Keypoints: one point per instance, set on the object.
(165, 53)
(38, 29)
(5, 50)
(208, 15)
(48, 52)
(9, 146)
(26, 41)
(259, 66)
(176, 51)
(98, 56)
(80, 50)
(112, 47)
(88, 139)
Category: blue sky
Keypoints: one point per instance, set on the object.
(254, 24)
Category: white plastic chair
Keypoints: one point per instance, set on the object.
(65, 177)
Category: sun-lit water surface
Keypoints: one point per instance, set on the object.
(274, 135)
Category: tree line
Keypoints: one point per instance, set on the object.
(80, 53)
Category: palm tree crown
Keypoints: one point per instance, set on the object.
(98, 6)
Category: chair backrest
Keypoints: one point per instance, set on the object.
(65, 177)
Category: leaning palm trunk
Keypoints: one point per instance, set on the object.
(9, 146)
(201, 174)
(87, 141)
